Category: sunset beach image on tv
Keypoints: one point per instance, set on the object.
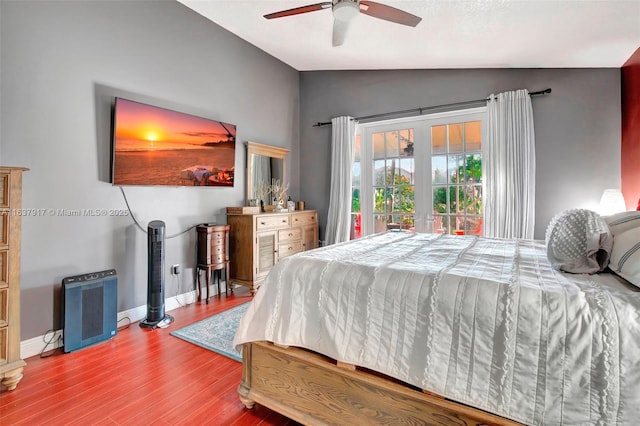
(157, 146)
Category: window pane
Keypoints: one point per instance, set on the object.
(455, 137)
(456, 168)
(378, 172)
(438, 140)
(473, 136)
(355, 200)
(474, 199)
(405, 197)
(380, 200)
(440, 224)
(355, 174)
(397, 202)
(356, 226)
(395, 222)
(457, 227)
(456, 199)
(480, 195)
(406, 148)
(406, 142)
(379, 223)
(473, 226)
(378, 146)
(440, 200)
(407, 170)
(391, 172)
(392, 144)
(470, 200)
(473, 168)
(357, 149)
(407, 222)
(439, 169)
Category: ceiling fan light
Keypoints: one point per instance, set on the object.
(345, 10)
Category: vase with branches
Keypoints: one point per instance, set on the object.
(279, 193)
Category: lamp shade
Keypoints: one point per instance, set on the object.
(611, 202)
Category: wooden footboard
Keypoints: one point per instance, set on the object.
(312, 389)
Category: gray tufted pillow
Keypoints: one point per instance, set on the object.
(578, 241)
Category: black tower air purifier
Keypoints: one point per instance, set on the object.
(155, 277)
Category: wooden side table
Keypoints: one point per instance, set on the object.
(212, 255)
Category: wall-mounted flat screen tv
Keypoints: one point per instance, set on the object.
(157, 146)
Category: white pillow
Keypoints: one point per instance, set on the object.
(625, 256)
(578, 241)
(620, 222)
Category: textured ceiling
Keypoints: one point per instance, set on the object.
(452, 34)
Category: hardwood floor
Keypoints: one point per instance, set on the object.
(139, 377)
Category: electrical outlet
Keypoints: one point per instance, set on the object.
(175, 269)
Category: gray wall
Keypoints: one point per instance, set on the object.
(577, 126)
(62, 65)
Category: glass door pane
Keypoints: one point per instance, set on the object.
(456, 165)
(393, 179)
(356, 182)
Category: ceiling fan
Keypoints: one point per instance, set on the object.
(345, 10)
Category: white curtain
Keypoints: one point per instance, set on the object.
(343, 140)
(510, 166)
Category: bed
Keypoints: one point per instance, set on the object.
(407, 328)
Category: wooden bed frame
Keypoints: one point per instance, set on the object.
(312, 389)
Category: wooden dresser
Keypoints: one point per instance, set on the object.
(11, 365)
(259, 241)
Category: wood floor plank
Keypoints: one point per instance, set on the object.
(102, 402)
(138, 377)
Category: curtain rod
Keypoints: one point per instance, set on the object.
(422, 109)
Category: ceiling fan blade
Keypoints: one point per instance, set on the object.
(299, 10)
(339, 31)
(388, 13)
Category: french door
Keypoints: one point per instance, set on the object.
(420, 174)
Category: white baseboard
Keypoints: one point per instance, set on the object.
(36, 345)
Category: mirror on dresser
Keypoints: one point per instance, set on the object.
(264, 163)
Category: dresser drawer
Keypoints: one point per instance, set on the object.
(286, 235)
(4, 307)
(272, 222)
(288, 249)
(217, 237)
(4, 189)
(4, 268)
(4, 229)
(4, 344)
(217, 259)
(304, 218)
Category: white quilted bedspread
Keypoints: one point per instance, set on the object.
(485, 322)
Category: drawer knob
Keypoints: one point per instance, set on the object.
(290, 234)
(263, 223)
(290, 248)
(284, 220)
